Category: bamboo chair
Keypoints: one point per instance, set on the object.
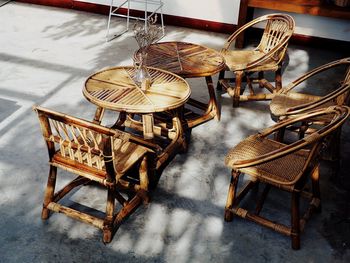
(287, 103)
(95, 154)
(281, 165)
(267, 56)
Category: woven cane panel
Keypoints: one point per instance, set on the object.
(283, 170)
(282, 102)
(85, 146)
(275, 31)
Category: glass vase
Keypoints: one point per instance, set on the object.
(141, 73)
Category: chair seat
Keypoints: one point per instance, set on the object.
(239, 59)
(282, 102)
(284, 170)
(125, 156)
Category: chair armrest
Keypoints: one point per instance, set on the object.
(270, 54)
(313, 105)
(313, 72)
(273, 155)
(235, 34)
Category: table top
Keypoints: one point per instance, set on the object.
(185, 59)
(115, 89)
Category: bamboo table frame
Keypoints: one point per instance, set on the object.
(115, 89)
(189, 61)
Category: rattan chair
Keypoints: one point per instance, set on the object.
(286, 166)
(113, 159)
(287, 103)
(267, 56)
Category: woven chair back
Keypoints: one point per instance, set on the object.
(337, 115)
(344, 96)
(76, 139)
(278, 28)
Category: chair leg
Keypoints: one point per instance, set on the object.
(262, 199)
(144, 180)
(260, 77)
(295, 218)
(221, 76)
(49, 192)
(231, 196)
(279, 135)
(334, 157)
(109, 218)
(278, 78)
(237, 89)
(315, 179)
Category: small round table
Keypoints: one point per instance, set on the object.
(189, 61)
(115, 89)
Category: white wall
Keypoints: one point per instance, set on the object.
(309, 25)
(226, 11)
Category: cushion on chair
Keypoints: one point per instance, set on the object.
(283, 170)
(239, 59)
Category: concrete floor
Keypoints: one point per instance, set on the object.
(45, 56)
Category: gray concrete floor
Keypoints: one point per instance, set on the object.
(45, 56)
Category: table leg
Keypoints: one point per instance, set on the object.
(211, 109)
(213, 104)
(148, 123)
(99, 115)
(119, 124)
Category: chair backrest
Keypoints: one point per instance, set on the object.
(345, 98)
(336, 114)
(278, 30)
(340, 96)
(78, 140)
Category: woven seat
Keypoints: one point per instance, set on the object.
(287, 166)
(281, 103)
(284, 170)
(239, 60)
(96, 154)
(267, 56)
(287, 102)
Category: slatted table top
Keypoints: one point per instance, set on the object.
(185, 59)
(115, 89)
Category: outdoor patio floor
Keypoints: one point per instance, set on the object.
(46, 54)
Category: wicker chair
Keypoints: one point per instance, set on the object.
(95, 154)
(267, 56)
(287, 103)
(286, 166)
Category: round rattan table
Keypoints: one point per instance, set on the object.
(115, 89)
(189, 60)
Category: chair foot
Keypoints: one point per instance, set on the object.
(228, 215)
(318, 209)
(107, 236)
(235, 103)
(144, 195)
(45, 213)
(296, 242)
(219, 86)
